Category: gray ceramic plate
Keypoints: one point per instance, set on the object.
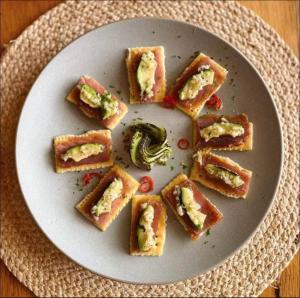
(51, 197)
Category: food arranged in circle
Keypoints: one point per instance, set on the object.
(148, 225)
(91, 150)
(112, 193)
(192, 209)
(221, 174)
(148, 146)
(198, 82)
(221, 132)
(146, 74)
(97, 102)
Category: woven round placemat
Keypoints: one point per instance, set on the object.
(35, 261)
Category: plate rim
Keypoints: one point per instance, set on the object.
(274, 192)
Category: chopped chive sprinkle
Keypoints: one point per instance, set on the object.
(179, 57)
(119, 91)
(208, 232)
(135, 112)
(183, 165)
(111, 86)
(171, 168)
(205, 242)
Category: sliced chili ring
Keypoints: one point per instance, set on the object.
(169, 102)
(214, 102)
(183, 144)
(86, 179)
(146, 184)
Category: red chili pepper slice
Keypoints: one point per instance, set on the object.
(146, 184)
(183, 144)
(86, 179)
(214, 103)
(169, 102)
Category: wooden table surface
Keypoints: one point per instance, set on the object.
(282, 15)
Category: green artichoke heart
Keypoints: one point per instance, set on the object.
(149, 146)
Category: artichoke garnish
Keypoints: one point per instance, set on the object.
(149, 145)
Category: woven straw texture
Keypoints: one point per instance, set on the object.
(45, 270)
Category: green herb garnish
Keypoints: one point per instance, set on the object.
(183, 165)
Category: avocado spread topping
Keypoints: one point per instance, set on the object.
(198, 157)
(89, 96)
(105, 101)
(196, 83)
(145, 233)
(146, 73)
(221, 128)
(111, 193)
(80, 152)
(109, 105)
(192, 208)
(228, 177)
(185, 203)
